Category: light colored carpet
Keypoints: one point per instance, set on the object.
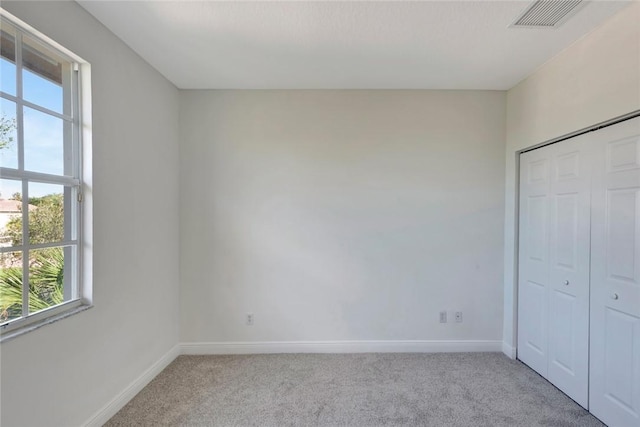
(442, 389)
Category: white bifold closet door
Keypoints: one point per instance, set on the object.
(554, 246)
(614, 394)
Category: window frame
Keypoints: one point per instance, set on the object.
(75, 180)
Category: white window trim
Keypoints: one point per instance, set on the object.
(83, 128)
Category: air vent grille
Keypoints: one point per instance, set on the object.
(547, 13)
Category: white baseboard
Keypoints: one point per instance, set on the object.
(509, 350)
(410, 346)
(118, 402)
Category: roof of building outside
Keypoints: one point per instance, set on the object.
(12, 206)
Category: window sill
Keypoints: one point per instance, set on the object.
(9, 335)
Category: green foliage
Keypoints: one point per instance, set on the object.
(46, 266)
(46, 284)
(7, 126)
(46, 221)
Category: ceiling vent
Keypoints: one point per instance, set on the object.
(547, 13)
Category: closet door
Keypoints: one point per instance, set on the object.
(553, 293)
(533, 268)
(569, 239)
(614, 395)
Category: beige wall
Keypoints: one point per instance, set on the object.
(63, 373)
(595, 79)
(341, 215)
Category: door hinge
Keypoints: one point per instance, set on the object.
(80, 197)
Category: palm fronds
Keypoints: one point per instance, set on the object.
(46, 284)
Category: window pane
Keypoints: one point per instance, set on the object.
(39, 217)
(10, 213)
(7, 61)
(44, 143)
(8, 74)
(46, 213)
(43, 75)
(8, 134)
(46, 278)
(10, 286)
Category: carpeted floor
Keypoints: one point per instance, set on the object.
(441, 389)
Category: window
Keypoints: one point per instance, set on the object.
(41, 180)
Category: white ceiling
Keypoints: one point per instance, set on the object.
(341, 44)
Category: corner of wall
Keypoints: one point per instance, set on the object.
(118, 402)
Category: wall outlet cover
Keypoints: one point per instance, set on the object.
(443, 317)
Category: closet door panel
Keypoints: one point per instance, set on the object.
(615, 276)
(533, 271)
(568, 363)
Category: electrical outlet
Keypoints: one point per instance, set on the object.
(443, 317)
(249, 320)
(459, 316)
